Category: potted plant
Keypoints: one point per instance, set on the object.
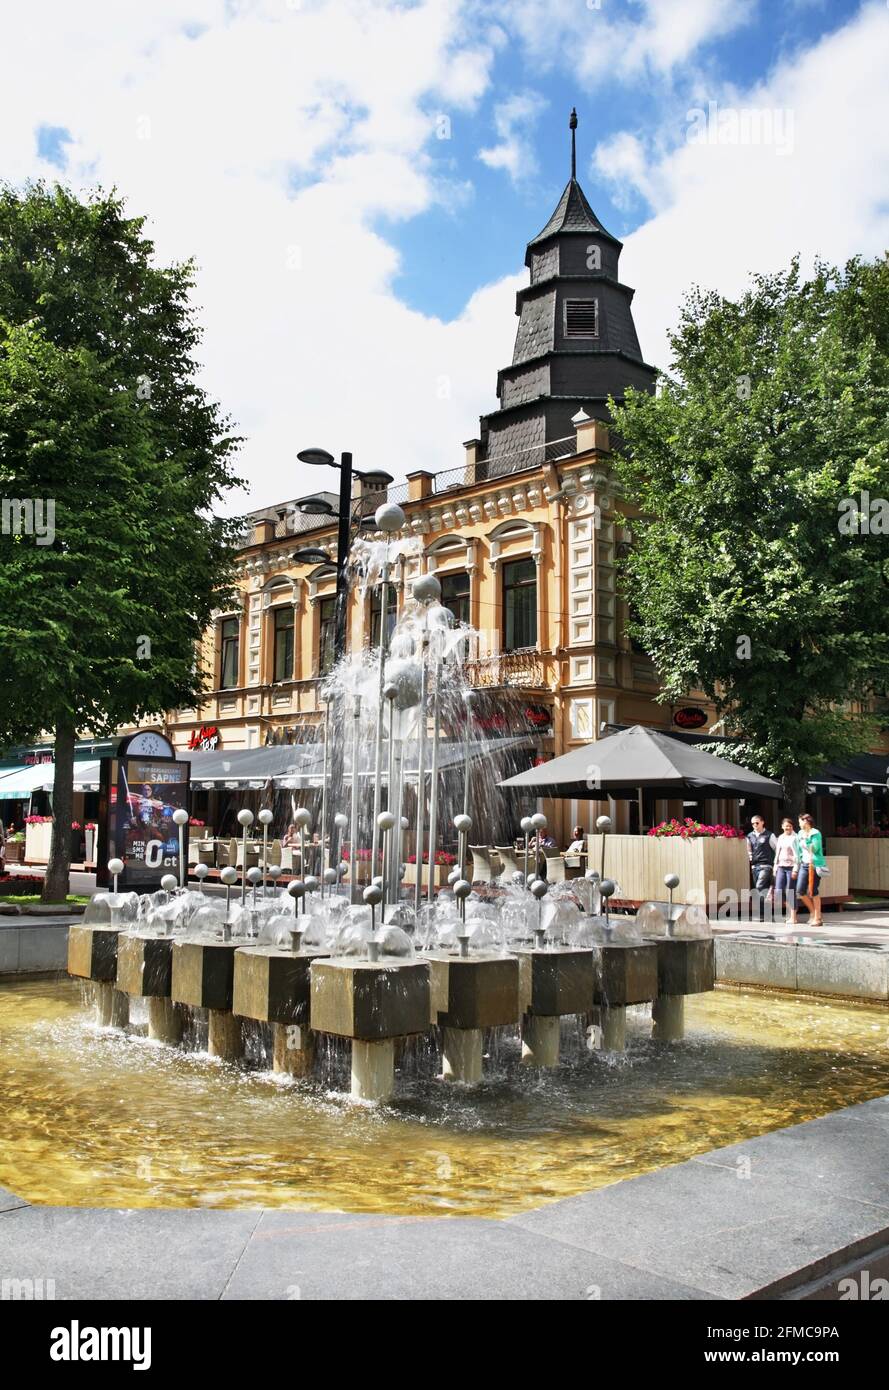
(15, 847)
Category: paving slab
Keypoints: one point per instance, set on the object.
(136, 1254)
(748, 1225)
(311, 1255)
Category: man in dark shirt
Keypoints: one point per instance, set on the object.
(761, 847)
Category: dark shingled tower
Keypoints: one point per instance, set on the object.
(576, 343)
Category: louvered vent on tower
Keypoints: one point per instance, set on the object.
(581, 318)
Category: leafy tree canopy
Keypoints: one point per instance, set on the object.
(111, 459)
(758, 570)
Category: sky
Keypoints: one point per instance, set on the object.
(356, 180)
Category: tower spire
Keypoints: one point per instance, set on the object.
(572, 125)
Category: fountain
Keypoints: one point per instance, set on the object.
(367, 960)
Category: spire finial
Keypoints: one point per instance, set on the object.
(572, 125)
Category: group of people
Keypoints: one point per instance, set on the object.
(788, 867)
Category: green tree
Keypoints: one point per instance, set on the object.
(758, 570)
(111, 457)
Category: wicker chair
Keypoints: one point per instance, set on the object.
(481, 864)
(508, 860)
(555, 866)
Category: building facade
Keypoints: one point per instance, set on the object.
(523, 536)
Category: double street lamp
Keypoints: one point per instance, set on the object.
(319, 506)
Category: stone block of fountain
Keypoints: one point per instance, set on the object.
(468, 994)
(92, 953)
(685, 966)
(477, 991)
(369, 1000)
(373, 1003)
(624, 973)
(272, 984)
(554, 981)
(144, 964)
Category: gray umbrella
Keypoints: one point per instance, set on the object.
(637, 758)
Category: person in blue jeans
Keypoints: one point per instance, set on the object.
(812, 867)
(786, 868)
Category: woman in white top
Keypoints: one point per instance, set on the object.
(786, 867)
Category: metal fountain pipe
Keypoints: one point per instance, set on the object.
(603, 825)
(538, 823)
(324, 841)
(265, 819)
(390, 692)
(385, 823)
(671, 882)
(526, 827)
(389, 518)
(381, 680)
(421, 762)
(468, 699)
(180, 818)
(353, 852)
(115, 868)
(433, 774)
(228, 876)
(373, 896)
(245, 819)
(303, 819)
(462, 825)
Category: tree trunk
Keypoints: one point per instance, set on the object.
(56, 883)
(794, 781)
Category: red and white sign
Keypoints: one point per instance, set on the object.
(205, 739)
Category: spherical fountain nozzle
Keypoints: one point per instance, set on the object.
(115, 866)
(390, 690)
(463, 824)
(200, 872)
(372, 895)
(245, 817)
(229, 876)
(296, 888)
(341, 821)
(607, 887)
(603, 823)
(539, 888)
(303, 818)
(389, 518)
(180, 817)
(539, 821)
(386, 820)
(671, 880)
(274, 872)
(526, 824)
(254, 875)
(169, 882)
(266, 817)
(330, 875)
(311, 883)
(462, 888)
(426, 589)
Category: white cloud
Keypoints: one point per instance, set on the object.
(729, 209)
(652, 36)
(513, 121)
(265, 146)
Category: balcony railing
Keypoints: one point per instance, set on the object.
(520, 670)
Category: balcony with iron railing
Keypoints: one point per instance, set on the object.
(290, 521)
(519, 670)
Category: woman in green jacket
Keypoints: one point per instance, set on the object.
(812, 863)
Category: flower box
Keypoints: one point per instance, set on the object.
(441, 874)
(38, 838)
(868, 862)
(706, 866)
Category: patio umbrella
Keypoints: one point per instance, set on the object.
(641, 759)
